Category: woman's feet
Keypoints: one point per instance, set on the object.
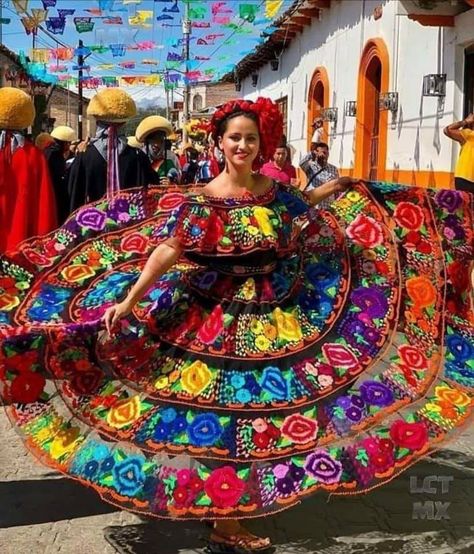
(230, 537)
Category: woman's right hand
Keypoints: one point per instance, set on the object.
(116, 313)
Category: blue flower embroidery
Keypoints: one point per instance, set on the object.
(205, 430)
(460, 348)
(274, 383)
(128, 476)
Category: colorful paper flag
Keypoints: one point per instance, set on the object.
(116, 20)
(49, 4)
(65, 12)
(248, 12)
(21, 6)
(272, 7)
(84, 24)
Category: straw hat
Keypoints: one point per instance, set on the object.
(43, 140)
(64, 133)
(133, 142)
(152, 124)
(17, 111)
(112, 105)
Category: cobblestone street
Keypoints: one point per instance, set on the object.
(42, 512)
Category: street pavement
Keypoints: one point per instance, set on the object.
(42, 512)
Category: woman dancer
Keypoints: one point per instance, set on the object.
(220, 389)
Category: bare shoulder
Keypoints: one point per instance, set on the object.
(262, 183)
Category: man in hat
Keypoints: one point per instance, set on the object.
(108, 163)
(27, 204)
(153, 132)
(57, 154)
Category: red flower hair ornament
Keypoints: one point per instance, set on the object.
(269, 121)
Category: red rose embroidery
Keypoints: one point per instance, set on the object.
(27, 387)
(224, 487)
(413, 237)
(409, 435)
(212, 326)
(340, 356)
(86, 382)
(299, 429)
(409, 215)
(214, 232)
(171, 200)
(261, 440)
(365, 231)
(459, 275)
(22, 362)
(412, 357)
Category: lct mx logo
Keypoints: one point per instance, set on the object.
(431, 484)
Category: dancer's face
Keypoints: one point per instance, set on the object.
(240, 142)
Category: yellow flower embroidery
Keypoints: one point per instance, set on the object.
(343, 204)
(252, 230)
(262, 215)
(248, 289)
(353, 196)
(124, 412)
(64, 442)
(195, 378)
(245, 219)
(453, 396)
(262, 343)
(287, 325)
(256, 326)
(161, 382)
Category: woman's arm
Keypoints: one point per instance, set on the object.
(162, 258)
(326, 190)
(453, 131)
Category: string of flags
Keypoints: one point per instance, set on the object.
(119, 28)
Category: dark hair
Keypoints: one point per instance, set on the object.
(222, 124)
(156, 135)
(320, 145)
(283, 142)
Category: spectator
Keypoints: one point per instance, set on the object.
(463, 132)
(106, 164)
(280, 168)
(318, 170)
(191, 167)
(56, 155)
(318, 130)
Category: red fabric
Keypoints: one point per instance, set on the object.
(27, 202)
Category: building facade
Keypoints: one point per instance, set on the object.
(387, 77)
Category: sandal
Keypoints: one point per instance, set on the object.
(239, 543)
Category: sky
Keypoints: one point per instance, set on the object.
(222, 33)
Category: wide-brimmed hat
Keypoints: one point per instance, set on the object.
(43, 140)
(64, 133)
(17, 111)
(112, 105)
(133, 142)
(153, 124)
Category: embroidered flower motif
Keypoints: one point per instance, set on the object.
(460, 348)
(248, 291)
(256, 326)
(459, 275)
(365, 232)
(339, 355)
(64, 442)
(262, 343)
(371, 301)
(451, 200)
(262, 215)
(260, 425)
(125, 412)
(212, 327)
(409, 435)
(129, 476)
(287, 326)
(408, 215)
(205, 430)
(412, 357)
(421, 291)
(376, 394)
(195, 378)
(270, 331)
(299, 429)
(323, 467)
(453, 396)
(27, 387)
(224, 487)
(273, 382)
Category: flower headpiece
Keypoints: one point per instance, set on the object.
(270, 123)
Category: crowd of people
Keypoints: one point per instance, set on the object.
(223, 352)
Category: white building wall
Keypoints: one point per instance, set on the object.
(415, 141)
